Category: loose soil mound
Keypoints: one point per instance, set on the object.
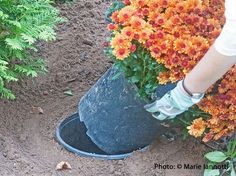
(75, 61)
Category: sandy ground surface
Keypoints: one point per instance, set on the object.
(75, 61)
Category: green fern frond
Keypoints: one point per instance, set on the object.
(22, 24)
(6, 93)
(27, 70)
(15, 43)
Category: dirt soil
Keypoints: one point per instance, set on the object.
(75, 61)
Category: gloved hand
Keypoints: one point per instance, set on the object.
(173, 103)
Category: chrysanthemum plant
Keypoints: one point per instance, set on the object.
(159, 41)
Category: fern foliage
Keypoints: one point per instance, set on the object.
(22, 24)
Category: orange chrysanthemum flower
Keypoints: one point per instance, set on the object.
(137, 23)
(114, 17)
(139, 3)
(126, 13)
(128, 32)
(197, 128)
(112, 27)
(181, 45)
(120, 41)
(177, 34)
(121, 53)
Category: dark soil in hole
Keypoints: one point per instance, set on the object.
(27, 143)
(73, 133)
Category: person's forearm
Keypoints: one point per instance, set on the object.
(211, 68)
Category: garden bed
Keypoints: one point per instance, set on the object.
(75, 62)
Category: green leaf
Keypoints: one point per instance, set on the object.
(68, 92)
(2, 62)
(185, 133)
(231, 148)
(135, 56)
(116, 76)
(14, 43)
(48, 35)
(28, 38)
(5, 93)
(216, 156)
(32, 73)
(134, 79)
(23, 23)
(1, 82)
(3, 16)
(210, 172)
(1, 13)
(148, 86)
(15, 23)
(233, 173)
(27, 70)
(137, 68)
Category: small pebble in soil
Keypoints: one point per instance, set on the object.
(45, 93)
(23, 137)
(120, 162)
(37, 110)
(63, 166)
(4, 154)
(87, 42)
(98, 2)
(83, 56)
(88, 5)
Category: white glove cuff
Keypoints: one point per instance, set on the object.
(182, 100)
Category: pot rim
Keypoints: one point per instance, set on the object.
(74, 116)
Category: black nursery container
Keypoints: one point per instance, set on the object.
(114, 116)
(71, 134)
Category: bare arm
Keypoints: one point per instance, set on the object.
(211, 68)
(216, 62)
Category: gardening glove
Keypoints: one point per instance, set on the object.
(173, 103)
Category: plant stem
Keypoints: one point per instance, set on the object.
(199, 112)
(184, 122)
(144, 70)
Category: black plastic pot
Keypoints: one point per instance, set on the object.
(71, 133)
(115, 117)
